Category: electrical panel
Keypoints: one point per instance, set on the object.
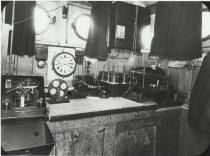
(126, 22)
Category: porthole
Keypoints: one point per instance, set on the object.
(41, 19)
(81, 26)
(205, 25)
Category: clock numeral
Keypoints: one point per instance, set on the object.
(57, 61)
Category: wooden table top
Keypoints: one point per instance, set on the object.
(94, 105)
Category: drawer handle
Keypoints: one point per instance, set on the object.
(102, 130)
(74, 136)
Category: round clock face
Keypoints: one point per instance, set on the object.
(64, 64)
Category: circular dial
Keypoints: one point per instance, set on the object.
(57, 89)
(64, 64)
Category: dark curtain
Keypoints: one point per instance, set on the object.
(24, 32)
(199, 103)
(96, 46)
(177, 33)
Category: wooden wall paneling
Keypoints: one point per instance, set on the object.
(187, 81)
(182, 79)
(174, 77)
(194, 76)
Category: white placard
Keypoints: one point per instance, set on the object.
(120, 32)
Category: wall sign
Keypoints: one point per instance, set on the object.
(120, 33)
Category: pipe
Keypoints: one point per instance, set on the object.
(67, 19)
(11, 40)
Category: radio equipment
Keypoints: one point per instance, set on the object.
(23, 114)
(139, 84)
(22, 96)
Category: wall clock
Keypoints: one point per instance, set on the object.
(64, 64)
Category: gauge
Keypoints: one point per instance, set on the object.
(63, 86)
(53, 91)
(55, 83)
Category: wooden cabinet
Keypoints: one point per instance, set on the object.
(80, 141)
(98, 135)
(147, 133)
(88, 141)
(139, 137)
(80, 137)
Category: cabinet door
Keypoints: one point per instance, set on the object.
(89, 141)
(80, 141)
(138, 137)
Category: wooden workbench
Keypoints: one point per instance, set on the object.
(94, 106)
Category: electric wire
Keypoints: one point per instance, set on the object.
(135, 32)
(81, 9)
(33, 16)
(135, 26)
(11, 40)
